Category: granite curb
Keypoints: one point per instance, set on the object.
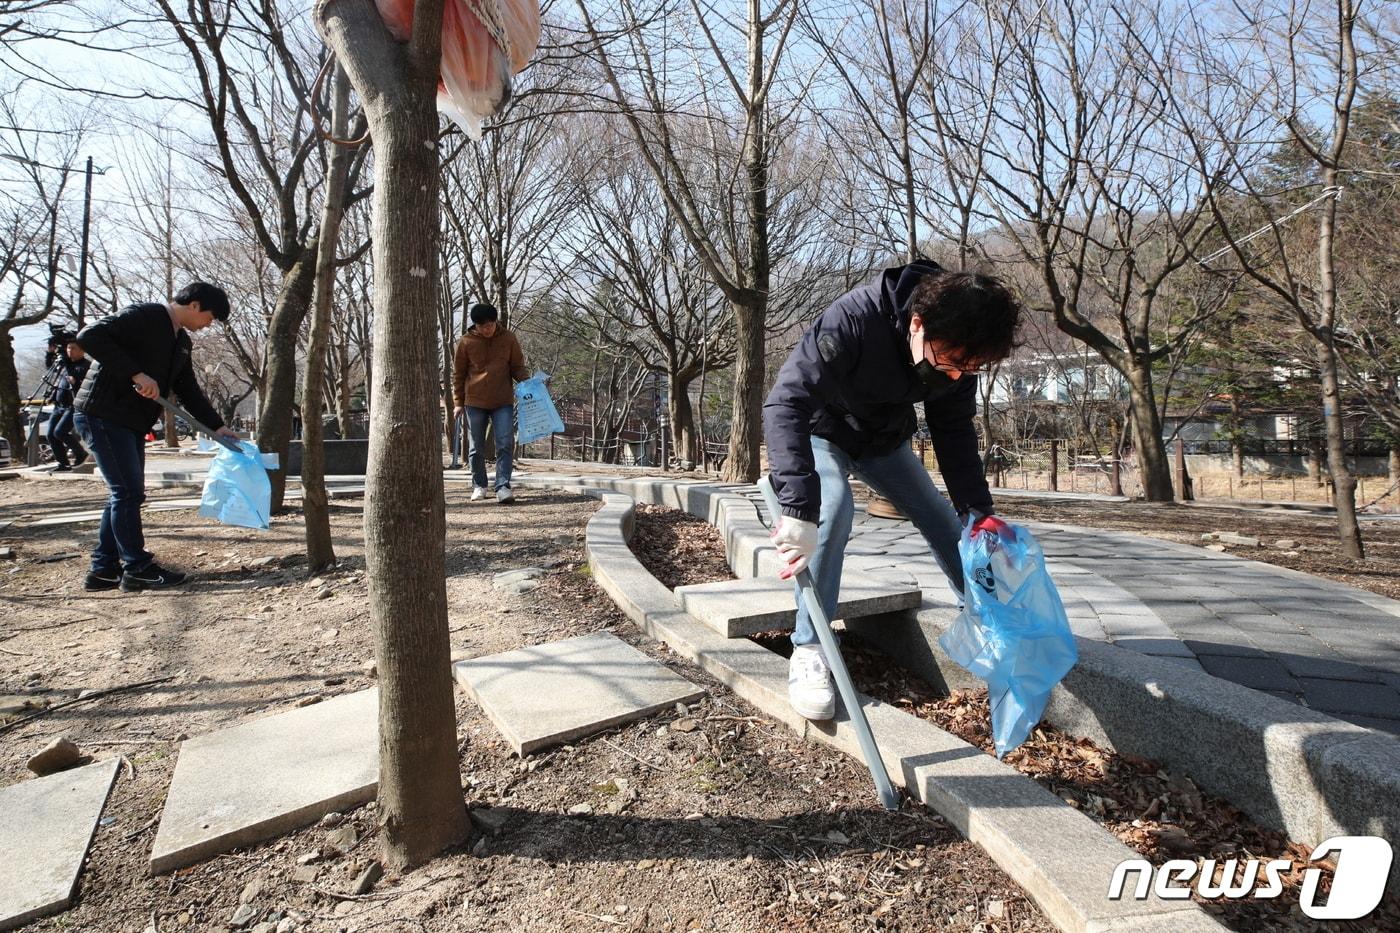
(1062, 858)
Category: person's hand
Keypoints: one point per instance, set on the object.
(796, 540)
(993, 525)
(228, 433)
(145, 386)
(457, 412)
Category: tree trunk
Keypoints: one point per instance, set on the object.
(746, 429)
(1154, 470)
(280, 381)
(1395, 463)
(342, 396)
(420, 789)
(315, 505)
(1236, 441)
(1343, 482)
(685, 443)
(10, 423)
(751, 310)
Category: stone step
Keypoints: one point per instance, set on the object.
(738, 608)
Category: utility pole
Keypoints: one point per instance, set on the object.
(83, 255)
(87, 217)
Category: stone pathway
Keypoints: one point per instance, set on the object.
(1331, 647)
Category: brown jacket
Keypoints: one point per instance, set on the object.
(483, 369)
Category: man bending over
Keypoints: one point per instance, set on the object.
(844, 403)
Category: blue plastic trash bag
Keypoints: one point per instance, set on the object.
(1013, 632)
(237, 490)
(535, 414)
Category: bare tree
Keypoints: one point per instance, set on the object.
(33, 242)
(320, 553)
(250, 86)
(1090, 190)
(420, 791)
(711, 159)
(1304, 57)
(505, 199)
(667, 312)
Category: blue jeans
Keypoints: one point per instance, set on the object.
(897, 476)
(120, 453)
(61, 435)
(502, 422)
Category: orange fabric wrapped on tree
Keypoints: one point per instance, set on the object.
(484, 43)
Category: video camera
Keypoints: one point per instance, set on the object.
(60, 336)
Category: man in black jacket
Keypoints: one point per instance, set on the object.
(140, 354)
(844, 403)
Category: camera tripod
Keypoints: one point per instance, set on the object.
(41, 392)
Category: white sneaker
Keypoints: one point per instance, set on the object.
(504, 494)
(478, 493)
(809, 683)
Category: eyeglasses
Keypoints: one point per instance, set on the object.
(948, 367)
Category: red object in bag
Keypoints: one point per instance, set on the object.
(484, 43)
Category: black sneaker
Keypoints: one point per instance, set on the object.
(63, 468)
(80, 460)
(154, 577)
(102, 580)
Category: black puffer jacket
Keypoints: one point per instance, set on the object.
(141, 339)
(851, 381)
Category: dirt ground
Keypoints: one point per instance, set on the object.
(712, 819)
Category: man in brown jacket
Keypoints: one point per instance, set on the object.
(487, 363)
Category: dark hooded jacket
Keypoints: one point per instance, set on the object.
(851, 381)
(141, 339)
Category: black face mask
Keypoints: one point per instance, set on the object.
(931, 377)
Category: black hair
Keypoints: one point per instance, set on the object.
(211, 298)
(482, 313)
(976, 314)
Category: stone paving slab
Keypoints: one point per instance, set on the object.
(737, 608)
(44, 837)
(1342, 698)
(1259, 673)
(553, 693)
(259, 779)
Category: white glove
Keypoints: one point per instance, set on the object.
(796, 541)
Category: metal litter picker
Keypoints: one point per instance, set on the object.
(889, 797)
(195, 423)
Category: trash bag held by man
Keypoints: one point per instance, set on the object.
(535, 414)
(1013, 632)
(237, 490)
